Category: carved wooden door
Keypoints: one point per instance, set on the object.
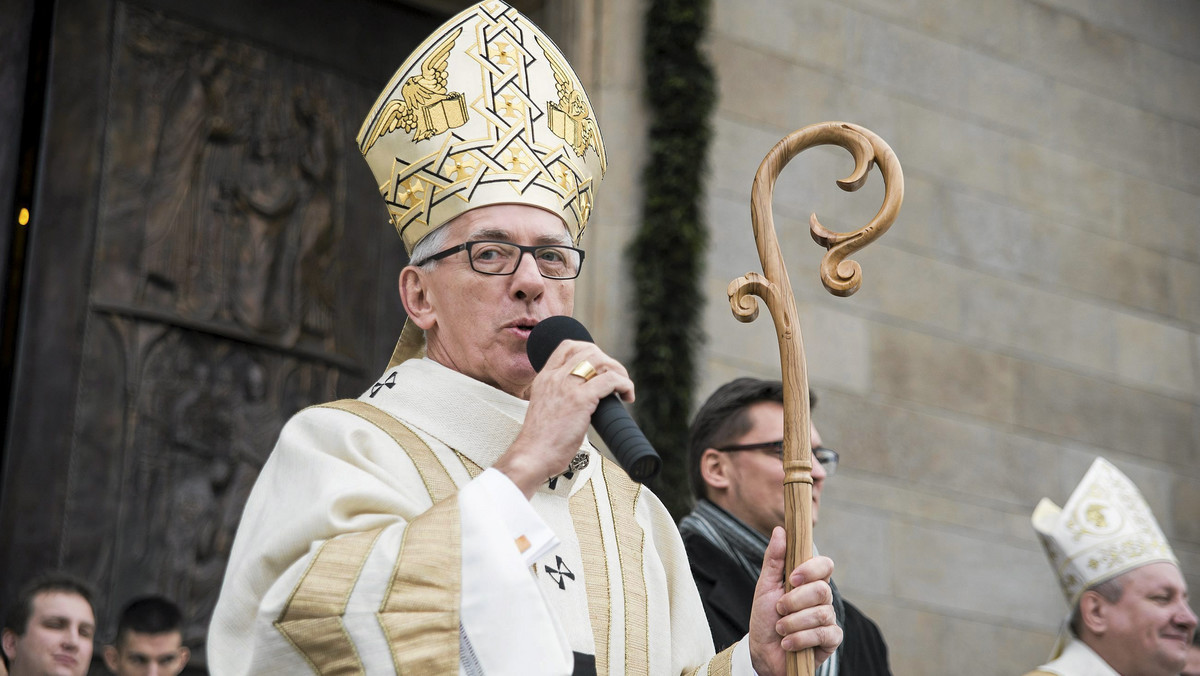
(208, 255)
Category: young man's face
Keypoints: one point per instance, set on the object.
(756, 493)
(57, 639)
(138, 654)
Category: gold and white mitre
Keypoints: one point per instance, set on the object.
(1105, 529)
(486, 111)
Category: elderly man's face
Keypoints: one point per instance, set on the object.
(57, 640)
(478, 324)
(1151, 626)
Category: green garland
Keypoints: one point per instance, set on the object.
(668, 251)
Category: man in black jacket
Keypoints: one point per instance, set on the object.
(735, 453)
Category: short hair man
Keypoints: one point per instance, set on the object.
(454, 516)
(49, 629)
(149, 640)
(735, 451)
(1129, 601)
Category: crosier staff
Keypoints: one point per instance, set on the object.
(841, 277)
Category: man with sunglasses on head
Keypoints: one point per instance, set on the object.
(454, 518)
(735, 454)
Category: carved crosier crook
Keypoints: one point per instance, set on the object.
(841, 277)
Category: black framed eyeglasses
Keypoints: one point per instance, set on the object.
(495, 257)
(826, 456)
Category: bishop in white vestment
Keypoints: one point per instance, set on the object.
(454, 517)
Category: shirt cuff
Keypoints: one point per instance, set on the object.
(531, 536)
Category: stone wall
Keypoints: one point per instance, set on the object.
(1036, 304)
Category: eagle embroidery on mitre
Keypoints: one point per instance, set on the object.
(571, 119)
(427, 109)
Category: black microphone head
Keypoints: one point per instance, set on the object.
(548, 333)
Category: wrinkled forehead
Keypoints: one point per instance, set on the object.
(508, 222)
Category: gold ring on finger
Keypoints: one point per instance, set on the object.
(585, 370)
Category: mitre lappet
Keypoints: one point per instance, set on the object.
(1104, 529)
(486, 111)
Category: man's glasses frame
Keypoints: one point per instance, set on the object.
(826, 456)
(534, 250)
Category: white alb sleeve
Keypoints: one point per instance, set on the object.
(507, 626)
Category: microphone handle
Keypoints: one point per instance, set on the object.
(625, 439)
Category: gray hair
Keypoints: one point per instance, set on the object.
(428, 246)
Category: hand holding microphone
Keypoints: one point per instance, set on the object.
(610, 419)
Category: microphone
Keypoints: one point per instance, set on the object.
(618, 430)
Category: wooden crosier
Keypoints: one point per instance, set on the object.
(840, 276)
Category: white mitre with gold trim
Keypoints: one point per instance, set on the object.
(1105, 529)
(486, 111)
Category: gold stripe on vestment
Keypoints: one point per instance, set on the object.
(631, 539)
(420, 613)
(586, 518)
(312, 618)
(722, 663)
(433, 473)
(473, 470)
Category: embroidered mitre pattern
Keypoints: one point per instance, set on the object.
(485, 111)
(1105, 529)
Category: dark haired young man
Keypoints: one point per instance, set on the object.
(735, 449)
(149, 640)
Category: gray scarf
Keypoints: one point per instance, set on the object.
(747, 547)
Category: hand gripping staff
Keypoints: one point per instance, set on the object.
(840, 276)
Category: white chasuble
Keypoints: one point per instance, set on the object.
(374, 541)
(1077, 659)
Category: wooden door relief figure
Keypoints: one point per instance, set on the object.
(219, 305)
